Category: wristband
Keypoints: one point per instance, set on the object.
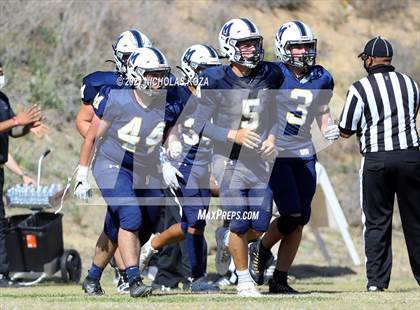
(15, 121)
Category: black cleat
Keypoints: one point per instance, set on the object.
(123, 287)
(139, 289)
(258, 263)
(5, 281)
(280, 288)
(92, 287)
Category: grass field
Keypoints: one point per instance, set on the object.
(328, 293)
(338, 285)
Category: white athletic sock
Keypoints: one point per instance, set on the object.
(226, 239)
(244, 276)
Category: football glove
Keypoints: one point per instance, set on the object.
(331, 133)
(174, 149)
(82, 189)
(170, 175)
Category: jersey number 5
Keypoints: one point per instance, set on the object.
(250, 116)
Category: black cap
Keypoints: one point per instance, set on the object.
(378, 47)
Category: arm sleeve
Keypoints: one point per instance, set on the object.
(324, 97)
(203, 124)
(352, 112)
(87, 91)
(102, 105)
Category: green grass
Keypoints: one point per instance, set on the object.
(328, 293)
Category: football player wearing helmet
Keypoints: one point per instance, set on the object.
(92, 83)
(303, 98)
(241, 124)
(188, 157)
(129, 123)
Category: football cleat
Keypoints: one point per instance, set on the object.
(201, 285)
(92, 287)
(139, 289)
(258, 263)
(280, 288)
(123, 287)
(247, 289)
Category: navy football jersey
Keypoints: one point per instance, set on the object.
(92, 84)
(299, 102)
(231, 102)
(180, 111)
(135, 132)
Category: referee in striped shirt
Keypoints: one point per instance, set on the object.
(381, 109)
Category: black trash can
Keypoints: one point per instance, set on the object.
(41, 236)
(14, 246)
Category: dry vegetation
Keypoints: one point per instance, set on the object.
(48, 46)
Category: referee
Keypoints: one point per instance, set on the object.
(381, 109)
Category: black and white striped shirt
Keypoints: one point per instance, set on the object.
(382, 108)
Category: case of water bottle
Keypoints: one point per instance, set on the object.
(31, 197)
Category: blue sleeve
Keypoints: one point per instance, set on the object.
(173, 107)
(203, 114)
(88, 91)
(102, 104)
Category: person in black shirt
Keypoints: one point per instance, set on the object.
(13, 125)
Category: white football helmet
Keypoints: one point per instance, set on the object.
(147, 61)
(235, 31)
(295, 32)
(125, 45)
(196, 58)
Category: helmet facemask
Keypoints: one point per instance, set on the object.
(151, 81)
(305, 59)
(120, 60)
(258, 54)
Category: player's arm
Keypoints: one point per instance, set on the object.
(83, 118)
(86, 112)
(204, 113)
(351, 114)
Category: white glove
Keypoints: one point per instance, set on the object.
(170, 174)
(175, 149)
(331, 133)
(82, 189)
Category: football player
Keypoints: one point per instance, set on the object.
(125, 165)
(92, 83)
(188, 158)
(303, 97)
(233, 113)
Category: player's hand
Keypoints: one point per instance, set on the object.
(331, 133)
(268, 150)
(247, 138)
(82, 189)
(27, 180)
(175, 149)
(39, 129)
(29, 116)
(170, 175)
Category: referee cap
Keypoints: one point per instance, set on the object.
(377, 47)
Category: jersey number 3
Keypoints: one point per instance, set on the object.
(298, 117)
